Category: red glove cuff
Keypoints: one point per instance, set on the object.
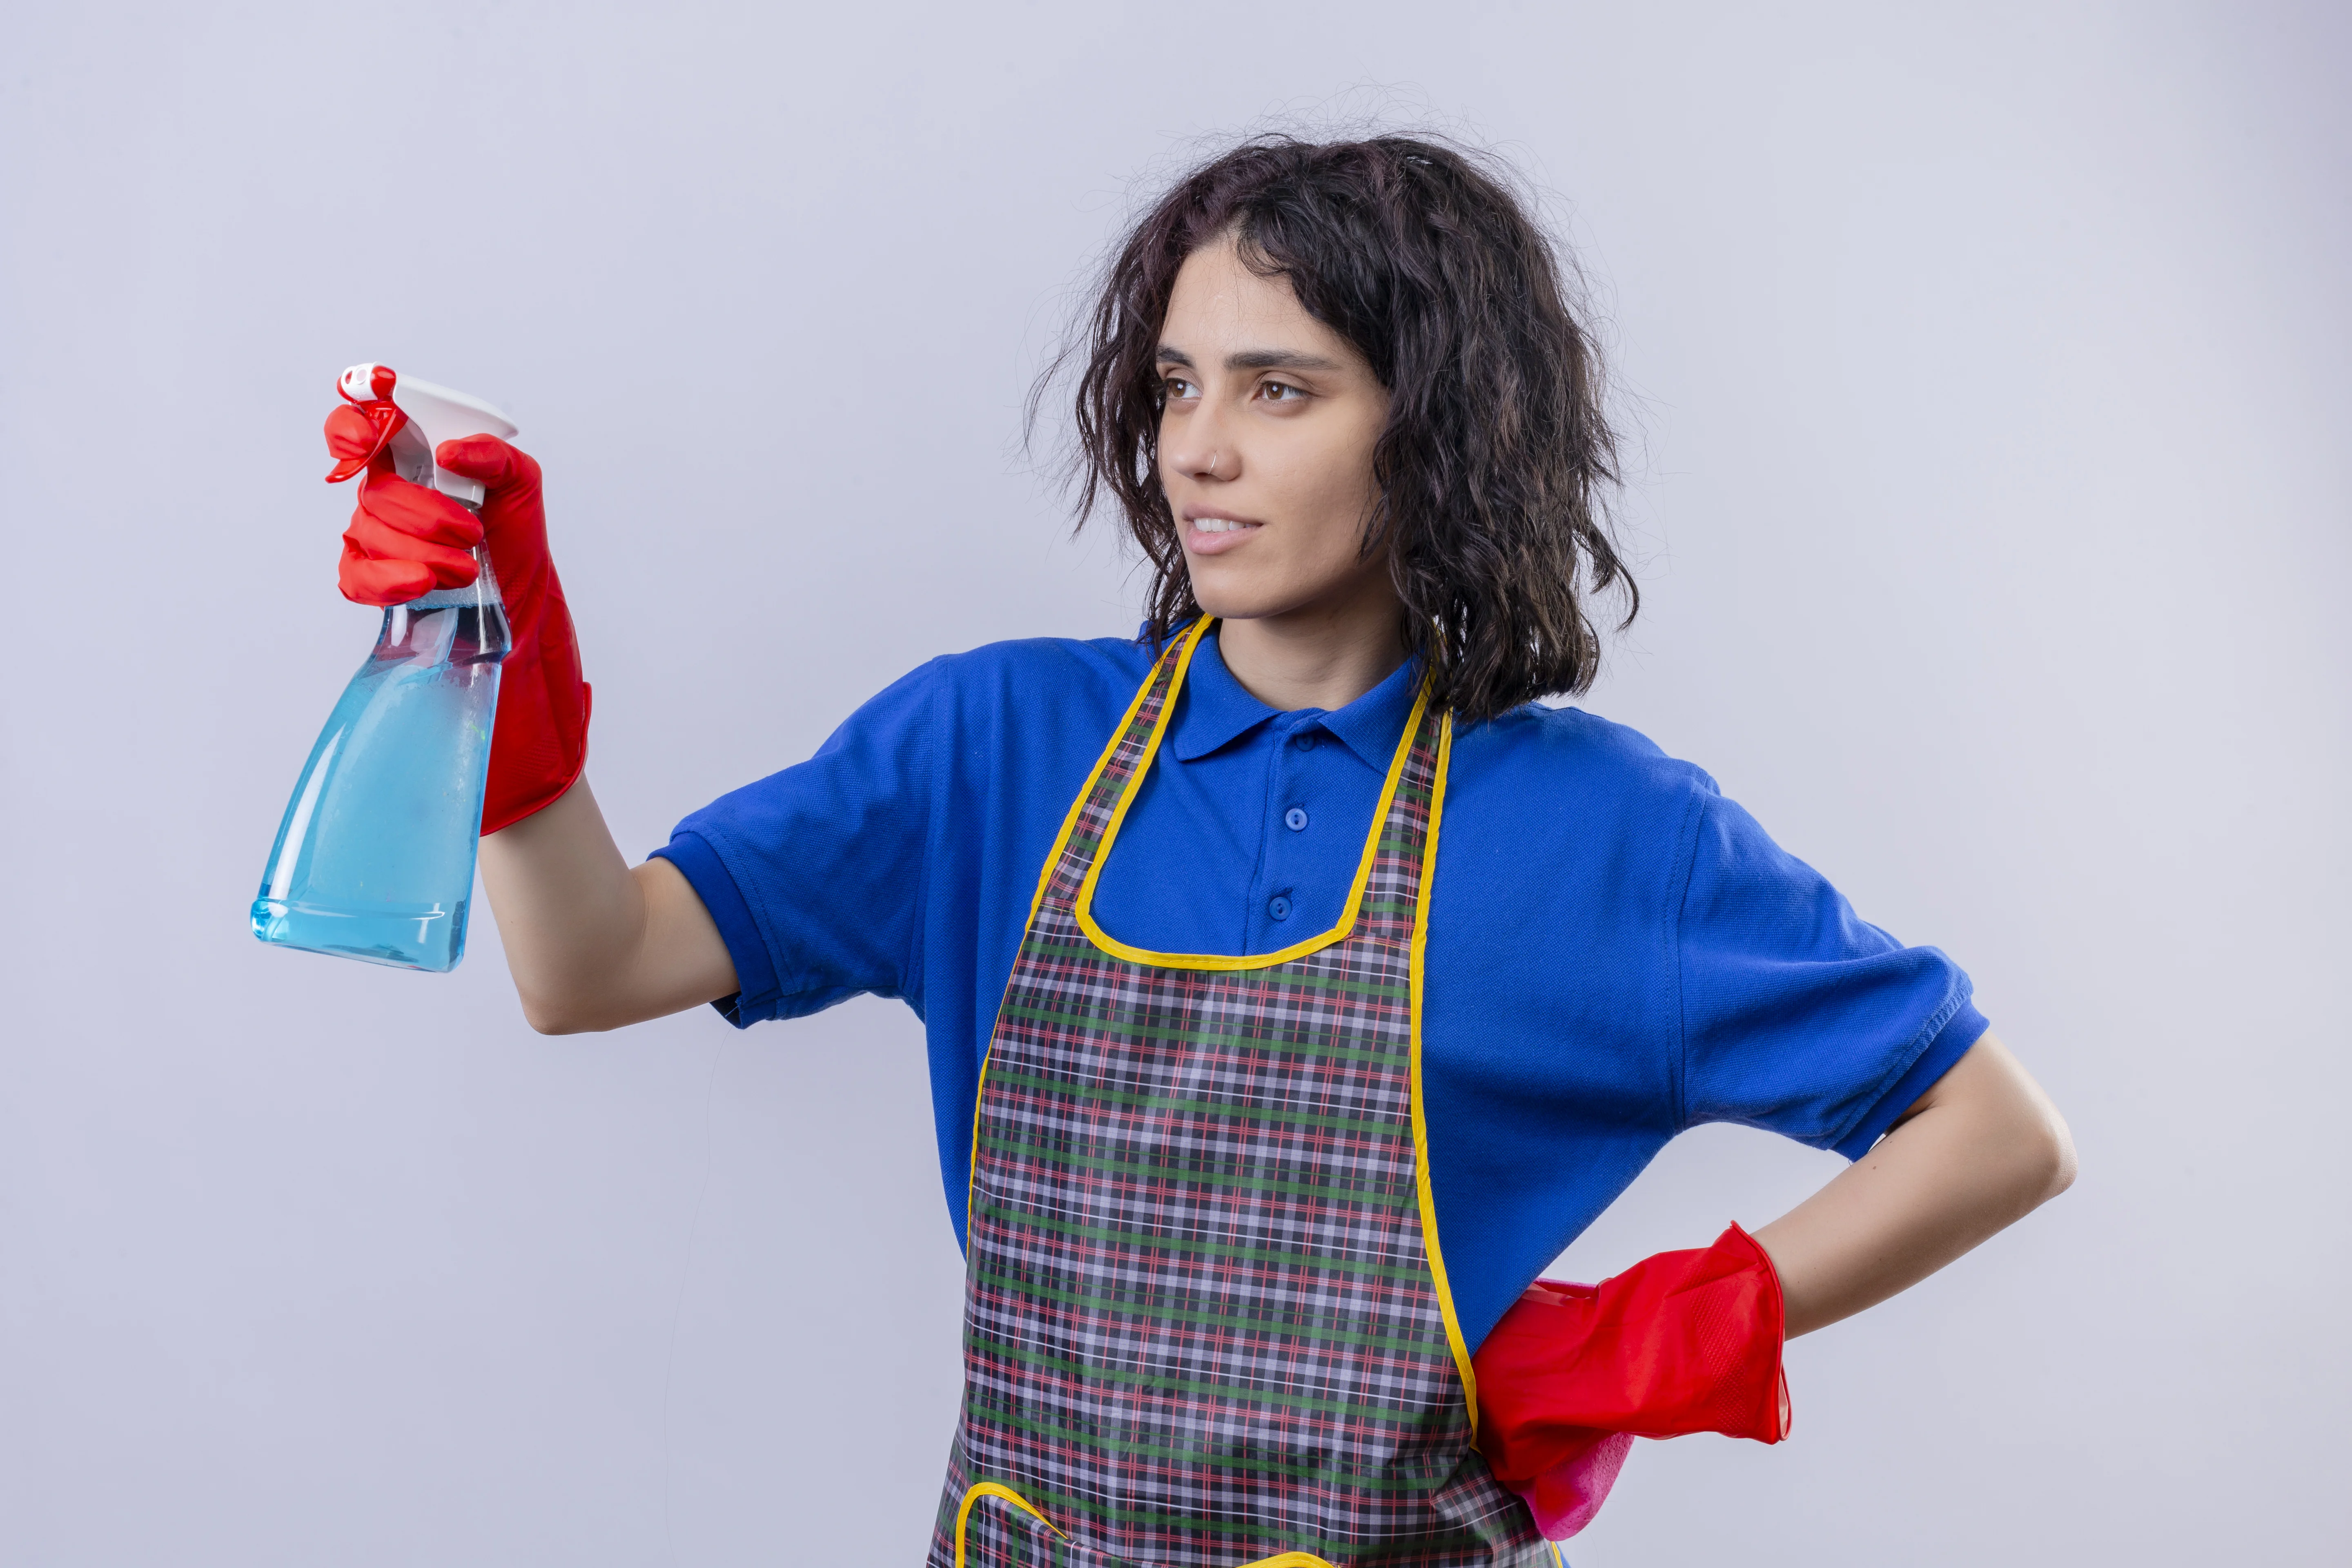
(540, 743)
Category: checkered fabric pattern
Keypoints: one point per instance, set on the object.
(1201, 1325)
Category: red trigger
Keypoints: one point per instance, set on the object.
(385, 420)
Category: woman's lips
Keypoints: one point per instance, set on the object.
(1215, 535)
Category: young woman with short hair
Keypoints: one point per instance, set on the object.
(1298, 986)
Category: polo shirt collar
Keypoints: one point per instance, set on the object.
(1371, 725)
(1216, 710)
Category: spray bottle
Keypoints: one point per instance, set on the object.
(374, 859)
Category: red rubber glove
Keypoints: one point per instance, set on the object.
(1685, 1342)
(405, 540)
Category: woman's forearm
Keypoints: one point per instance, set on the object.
(590, 943)
(1979, 1151)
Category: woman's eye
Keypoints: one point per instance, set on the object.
(1281, 392)
(1176, 386)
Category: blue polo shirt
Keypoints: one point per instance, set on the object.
(1616, 952)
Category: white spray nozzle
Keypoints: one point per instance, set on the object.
(434, 415)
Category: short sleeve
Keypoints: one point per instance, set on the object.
(814, 875)
(1798, 1015)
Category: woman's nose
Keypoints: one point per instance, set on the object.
(1204, 461)
(1199, 450)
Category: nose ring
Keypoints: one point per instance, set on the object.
(1212, 463)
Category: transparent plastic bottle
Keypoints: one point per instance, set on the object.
(374, 859)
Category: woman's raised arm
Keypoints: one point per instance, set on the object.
(590, 943)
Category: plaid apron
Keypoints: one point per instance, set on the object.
(1206, 1322)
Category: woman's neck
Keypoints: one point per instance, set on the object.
(1314, 659)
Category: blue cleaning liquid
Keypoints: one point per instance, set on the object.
(374, 859)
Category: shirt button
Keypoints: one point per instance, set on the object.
(1295, 819)
(1278, 906)
(1304, 740)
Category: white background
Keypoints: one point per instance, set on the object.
(1988, 368)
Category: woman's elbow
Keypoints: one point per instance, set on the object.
(2062, 1165)
(561, 1014)
(551, 1020)
(2044, 1153)
(2021, 1132)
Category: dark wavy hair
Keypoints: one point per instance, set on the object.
(1494, 465)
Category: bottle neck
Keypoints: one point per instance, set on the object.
(482, 592)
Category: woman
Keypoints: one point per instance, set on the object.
(1259, 1111)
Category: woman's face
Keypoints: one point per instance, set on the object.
(1265, 446)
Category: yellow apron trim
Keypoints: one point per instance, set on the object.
(994, 1488)
(998, 1490)
(1054, 858)
(1213, 961)
(1078, 803)
(1419, 1122)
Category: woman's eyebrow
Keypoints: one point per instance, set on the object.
(1252, 359)
(1278, 358)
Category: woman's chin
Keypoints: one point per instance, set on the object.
(1227, 594)
(1231, 606)
(1237, 595)
(1231, 591)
